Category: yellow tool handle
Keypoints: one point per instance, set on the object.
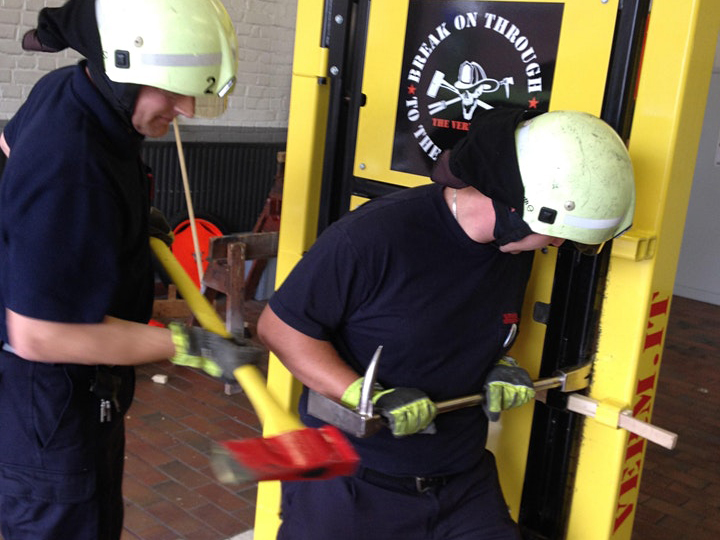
(271, 414)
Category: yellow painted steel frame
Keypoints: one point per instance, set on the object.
(303, 170)
(667, 123)
(666, 129)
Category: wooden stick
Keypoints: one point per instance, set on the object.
(188, 201)
(588, 407)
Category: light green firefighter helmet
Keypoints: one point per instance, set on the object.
(184, 46)
(578, 177)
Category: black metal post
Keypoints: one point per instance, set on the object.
(572, 324)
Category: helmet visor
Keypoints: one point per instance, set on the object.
(210, 106)
(588, 249)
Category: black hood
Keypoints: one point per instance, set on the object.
(485, 158)
(74, 26)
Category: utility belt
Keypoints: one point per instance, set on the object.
(416, 484)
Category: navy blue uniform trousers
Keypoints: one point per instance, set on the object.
(60, 467)
(468, 506)
(97, 518)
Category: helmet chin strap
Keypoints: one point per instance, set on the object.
(588, 249)
(509, 226)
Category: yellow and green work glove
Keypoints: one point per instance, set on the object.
(215, 355)
(507, 386)
(407, 410)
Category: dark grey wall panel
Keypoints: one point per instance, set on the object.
(229, 181)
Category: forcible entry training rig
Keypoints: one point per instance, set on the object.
(380, 87)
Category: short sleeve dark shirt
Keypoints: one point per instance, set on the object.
(401, 273)
(74, 201)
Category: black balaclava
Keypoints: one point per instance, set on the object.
(509, 226)
(74, 26)
(486, 160)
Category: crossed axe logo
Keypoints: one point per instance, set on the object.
(472, 83)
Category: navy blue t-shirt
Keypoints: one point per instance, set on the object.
(74, 201)
(401, 273)
(74, 205)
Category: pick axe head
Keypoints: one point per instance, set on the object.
(304, 454)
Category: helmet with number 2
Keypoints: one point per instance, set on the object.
(184, 46)
(577, 175)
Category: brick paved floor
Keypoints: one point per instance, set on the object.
(680, 488)
(170, 491)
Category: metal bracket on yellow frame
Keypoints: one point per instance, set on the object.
(635, 245)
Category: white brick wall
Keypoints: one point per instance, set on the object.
(265, 28)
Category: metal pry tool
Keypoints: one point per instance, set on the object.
(364, 423)
(565, 380)
(361, 422)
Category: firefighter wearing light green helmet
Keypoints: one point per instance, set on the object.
(195, 54)
(577, 176)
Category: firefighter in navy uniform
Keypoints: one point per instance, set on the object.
(76, 280)
(436, 275)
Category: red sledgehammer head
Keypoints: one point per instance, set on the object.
(304, 454)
